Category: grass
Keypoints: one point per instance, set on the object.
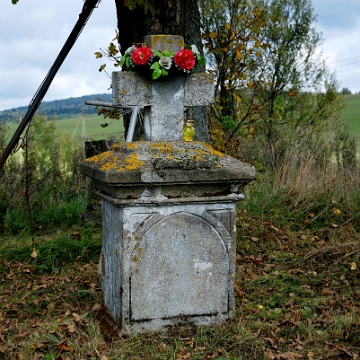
(351, 114)
(93, 129)
(297, 295)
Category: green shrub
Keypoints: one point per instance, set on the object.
(41, 187)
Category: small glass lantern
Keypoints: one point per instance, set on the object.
(189, 130)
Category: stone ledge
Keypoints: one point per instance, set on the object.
(165, 163)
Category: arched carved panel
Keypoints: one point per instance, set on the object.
(180, 267)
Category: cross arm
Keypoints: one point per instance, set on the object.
(130, 89)
(199, 89)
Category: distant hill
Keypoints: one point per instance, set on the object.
(59, 108)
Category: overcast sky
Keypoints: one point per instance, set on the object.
(33, 32)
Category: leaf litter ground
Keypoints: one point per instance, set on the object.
(297, 297)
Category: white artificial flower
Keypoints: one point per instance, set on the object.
(194, 49)
(165, 62)
(130, 49)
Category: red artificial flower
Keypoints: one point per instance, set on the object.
(141, 55)
(184, 59)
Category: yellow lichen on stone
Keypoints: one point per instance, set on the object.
(132, 162)
(100, 157)
(110, 161)
(110, 164)
(212, 151)
(163, 147)
(132, 145)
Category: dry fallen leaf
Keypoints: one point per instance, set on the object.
(97, 307)
(326, 291)
(34, 254)
(184, 357)
(328, 317)
(63, 346)
(211, 355)
(72, 328)
(102, 345)
(288, 356)
(268, 354)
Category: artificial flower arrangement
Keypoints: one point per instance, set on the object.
(160, 64)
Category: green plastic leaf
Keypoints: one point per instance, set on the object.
(158, 53)
(201, 60)
(127, 61)
(122, 60)
(155, 66)
(168, 53)
(156, 74)
(164, 72)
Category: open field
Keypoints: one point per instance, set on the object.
(351, 114)
(94, 127)
(94, 131)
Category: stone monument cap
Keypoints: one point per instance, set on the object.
(178, 168)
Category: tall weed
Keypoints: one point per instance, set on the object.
(315, 180)
(41, 186)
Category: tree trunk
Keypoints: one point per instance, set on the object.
(173, 17)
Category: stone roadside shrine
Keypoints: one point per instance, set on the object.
(169, 210)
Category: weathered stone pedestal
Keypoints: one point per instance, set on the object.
(168, 232)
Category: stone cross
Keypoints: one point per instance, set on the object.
(164, 100)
